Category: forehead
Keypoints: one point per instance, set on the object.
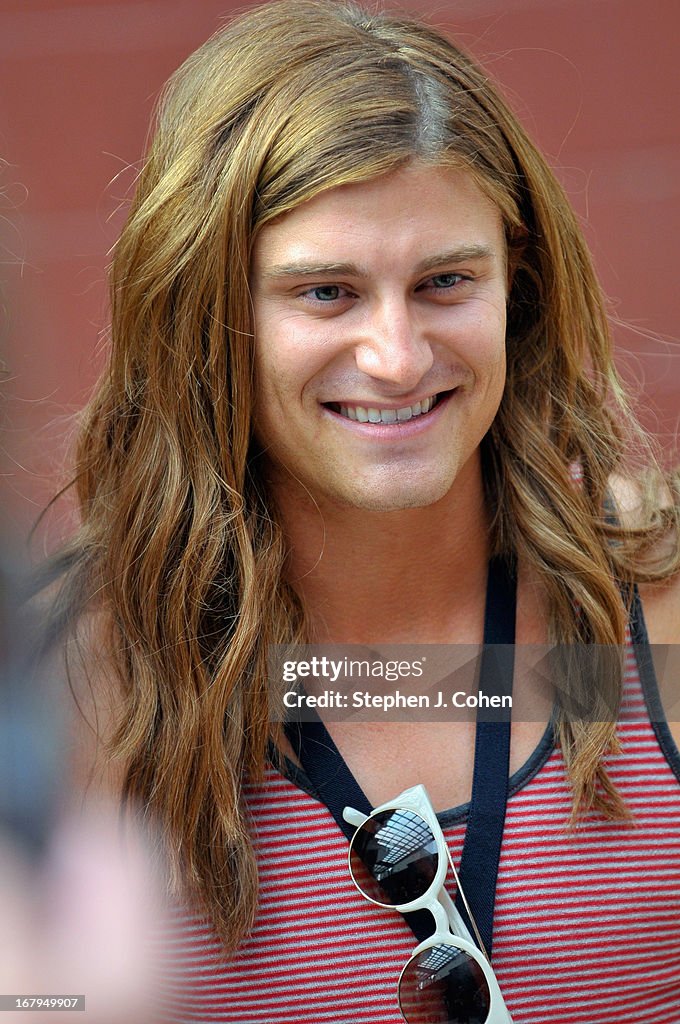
(403, 215)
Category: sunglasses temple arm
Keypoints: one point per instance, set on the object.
(353, 817)
(456, 922)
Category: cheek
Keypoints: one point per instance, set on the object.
(483, 342)
(497, 370)
(286, 357)
(272, 366)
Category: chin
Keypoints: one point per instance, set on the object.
(398, 499)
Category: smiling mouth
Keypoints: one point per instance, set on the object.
(372, 414)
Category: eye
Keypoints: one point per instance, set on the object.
(445, 280)
(325, 300)
(447, 287)
(325, 293)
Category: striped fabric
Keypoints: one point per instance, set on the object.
(587, 926)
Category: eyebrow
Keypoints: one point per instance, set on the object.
(304, 268)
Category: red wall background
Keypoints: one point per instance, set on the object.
(595, 81)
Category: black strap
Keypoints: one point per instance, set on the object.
(337, 788)
(479, 860)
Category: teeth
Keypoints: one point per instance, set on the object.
(373, 415)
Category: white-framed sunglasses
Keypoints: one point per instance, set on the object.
(398, 858)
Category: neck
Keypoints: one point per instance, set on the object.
(416, 575)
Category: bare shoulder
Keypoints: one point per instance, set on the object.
(661, 600)
(660, 603)
(661, 609)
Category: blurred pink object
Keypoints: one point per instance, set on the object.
(79, 922)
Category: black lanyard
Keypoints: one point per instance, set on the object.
(337, 788)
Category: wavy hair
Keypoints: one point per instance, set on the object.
(179, 548)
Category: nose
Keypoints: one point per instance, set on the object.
(393, 347)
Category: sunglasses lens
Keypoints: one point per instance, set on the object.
(444, 985)
(393, 857)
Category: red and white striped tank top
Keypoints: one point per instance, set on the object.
(586, 927)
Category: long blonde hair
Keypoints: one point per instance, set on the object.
(179, 548)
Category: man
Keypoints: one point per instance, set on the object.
(361, 391)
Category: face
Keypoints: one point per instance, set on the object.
(380, 339)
